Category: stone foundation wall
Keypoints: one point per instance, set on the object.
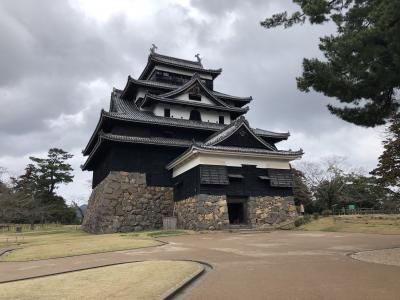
(265, 211)
(208, 212)
(202, 212)
(123, 202)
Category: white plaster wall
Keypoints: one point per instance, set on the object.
(140, 93)
(181, 112)
(231, 161)
(204, 99)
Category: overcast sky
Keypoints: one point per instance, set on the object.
(59, 61)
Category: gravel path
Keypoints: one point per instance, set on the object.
(385, 256)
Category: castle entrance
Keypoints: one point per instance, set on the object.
(237, 210)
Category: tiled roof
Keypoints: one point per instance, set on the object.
(290, 155)
(171, 142)
(121, 109)
(161, 141)
(146, 140)
(128, 110)
(230, 97)
(169, 87)
(151, 98)
(155, 58)
(250, 150)
(175, 60)
(231, 129)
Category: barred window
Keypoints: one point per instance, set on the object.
(213, 175)
(280, 178)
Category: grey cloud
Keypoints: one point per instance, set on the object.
(58, 68)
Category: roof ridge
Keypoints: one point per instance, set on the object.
(176, 58)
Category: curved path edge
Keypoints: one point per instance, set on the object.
(352, 255)
(162, 243)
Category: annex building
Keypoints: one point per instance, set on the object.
(172, 145)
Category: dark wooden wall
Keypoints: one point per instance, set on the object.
(137, 158)
(188, 184)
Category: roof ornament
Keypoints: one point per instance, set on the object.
(198, 58)
(153, 48)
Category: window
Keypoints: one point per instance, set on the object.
(280, 178)
(221, 120)
(213, 175)
(167, 112)
(196, 97)
(195, 115)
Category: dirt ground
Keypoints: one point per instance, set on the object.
(276, 265)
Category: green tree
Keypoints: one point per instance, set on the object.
(53, 170)
(362, 60)
(364, 192)
(301, 192)
(34, 194)
(388, 169)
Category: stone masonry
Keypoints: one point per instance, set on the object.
(270, 210)
(202, 212)
(123, 202)
(209, 212)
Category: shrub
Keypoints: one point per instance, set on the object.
(307, 219)
(299, 221)
(326, 212)
(316, 216)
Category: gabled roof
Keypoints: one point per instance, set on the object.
(125, 110)
(158, 59)
(233, 151)
(150, 99)
(194, 81)
(132, 85)
(238, 125)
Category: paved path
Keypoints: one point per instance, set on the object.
(277, 265)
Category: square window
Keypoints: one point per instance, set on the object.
(196, 97)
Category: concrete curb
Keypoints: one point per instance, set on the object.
(175, 291)
(5, 250)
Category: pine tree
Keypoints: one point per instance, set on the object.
(388, 169)
(362, 60)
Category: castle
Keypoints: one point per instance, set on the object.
(172, 145)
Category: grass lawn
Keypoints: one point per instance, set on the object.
(69, 240)
(143, 280)
(381, 224)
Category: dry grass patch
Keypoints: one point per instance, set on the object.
(67, 241)
(143, 280)
(380, 224)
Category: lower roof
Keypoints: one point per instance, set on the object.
(126, 110)
(188, 144)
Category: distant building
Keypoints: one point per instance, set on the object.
(171, 144)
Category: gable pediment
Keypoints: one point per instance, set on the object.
(196, 95)
(238, 134)
(194, 87)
